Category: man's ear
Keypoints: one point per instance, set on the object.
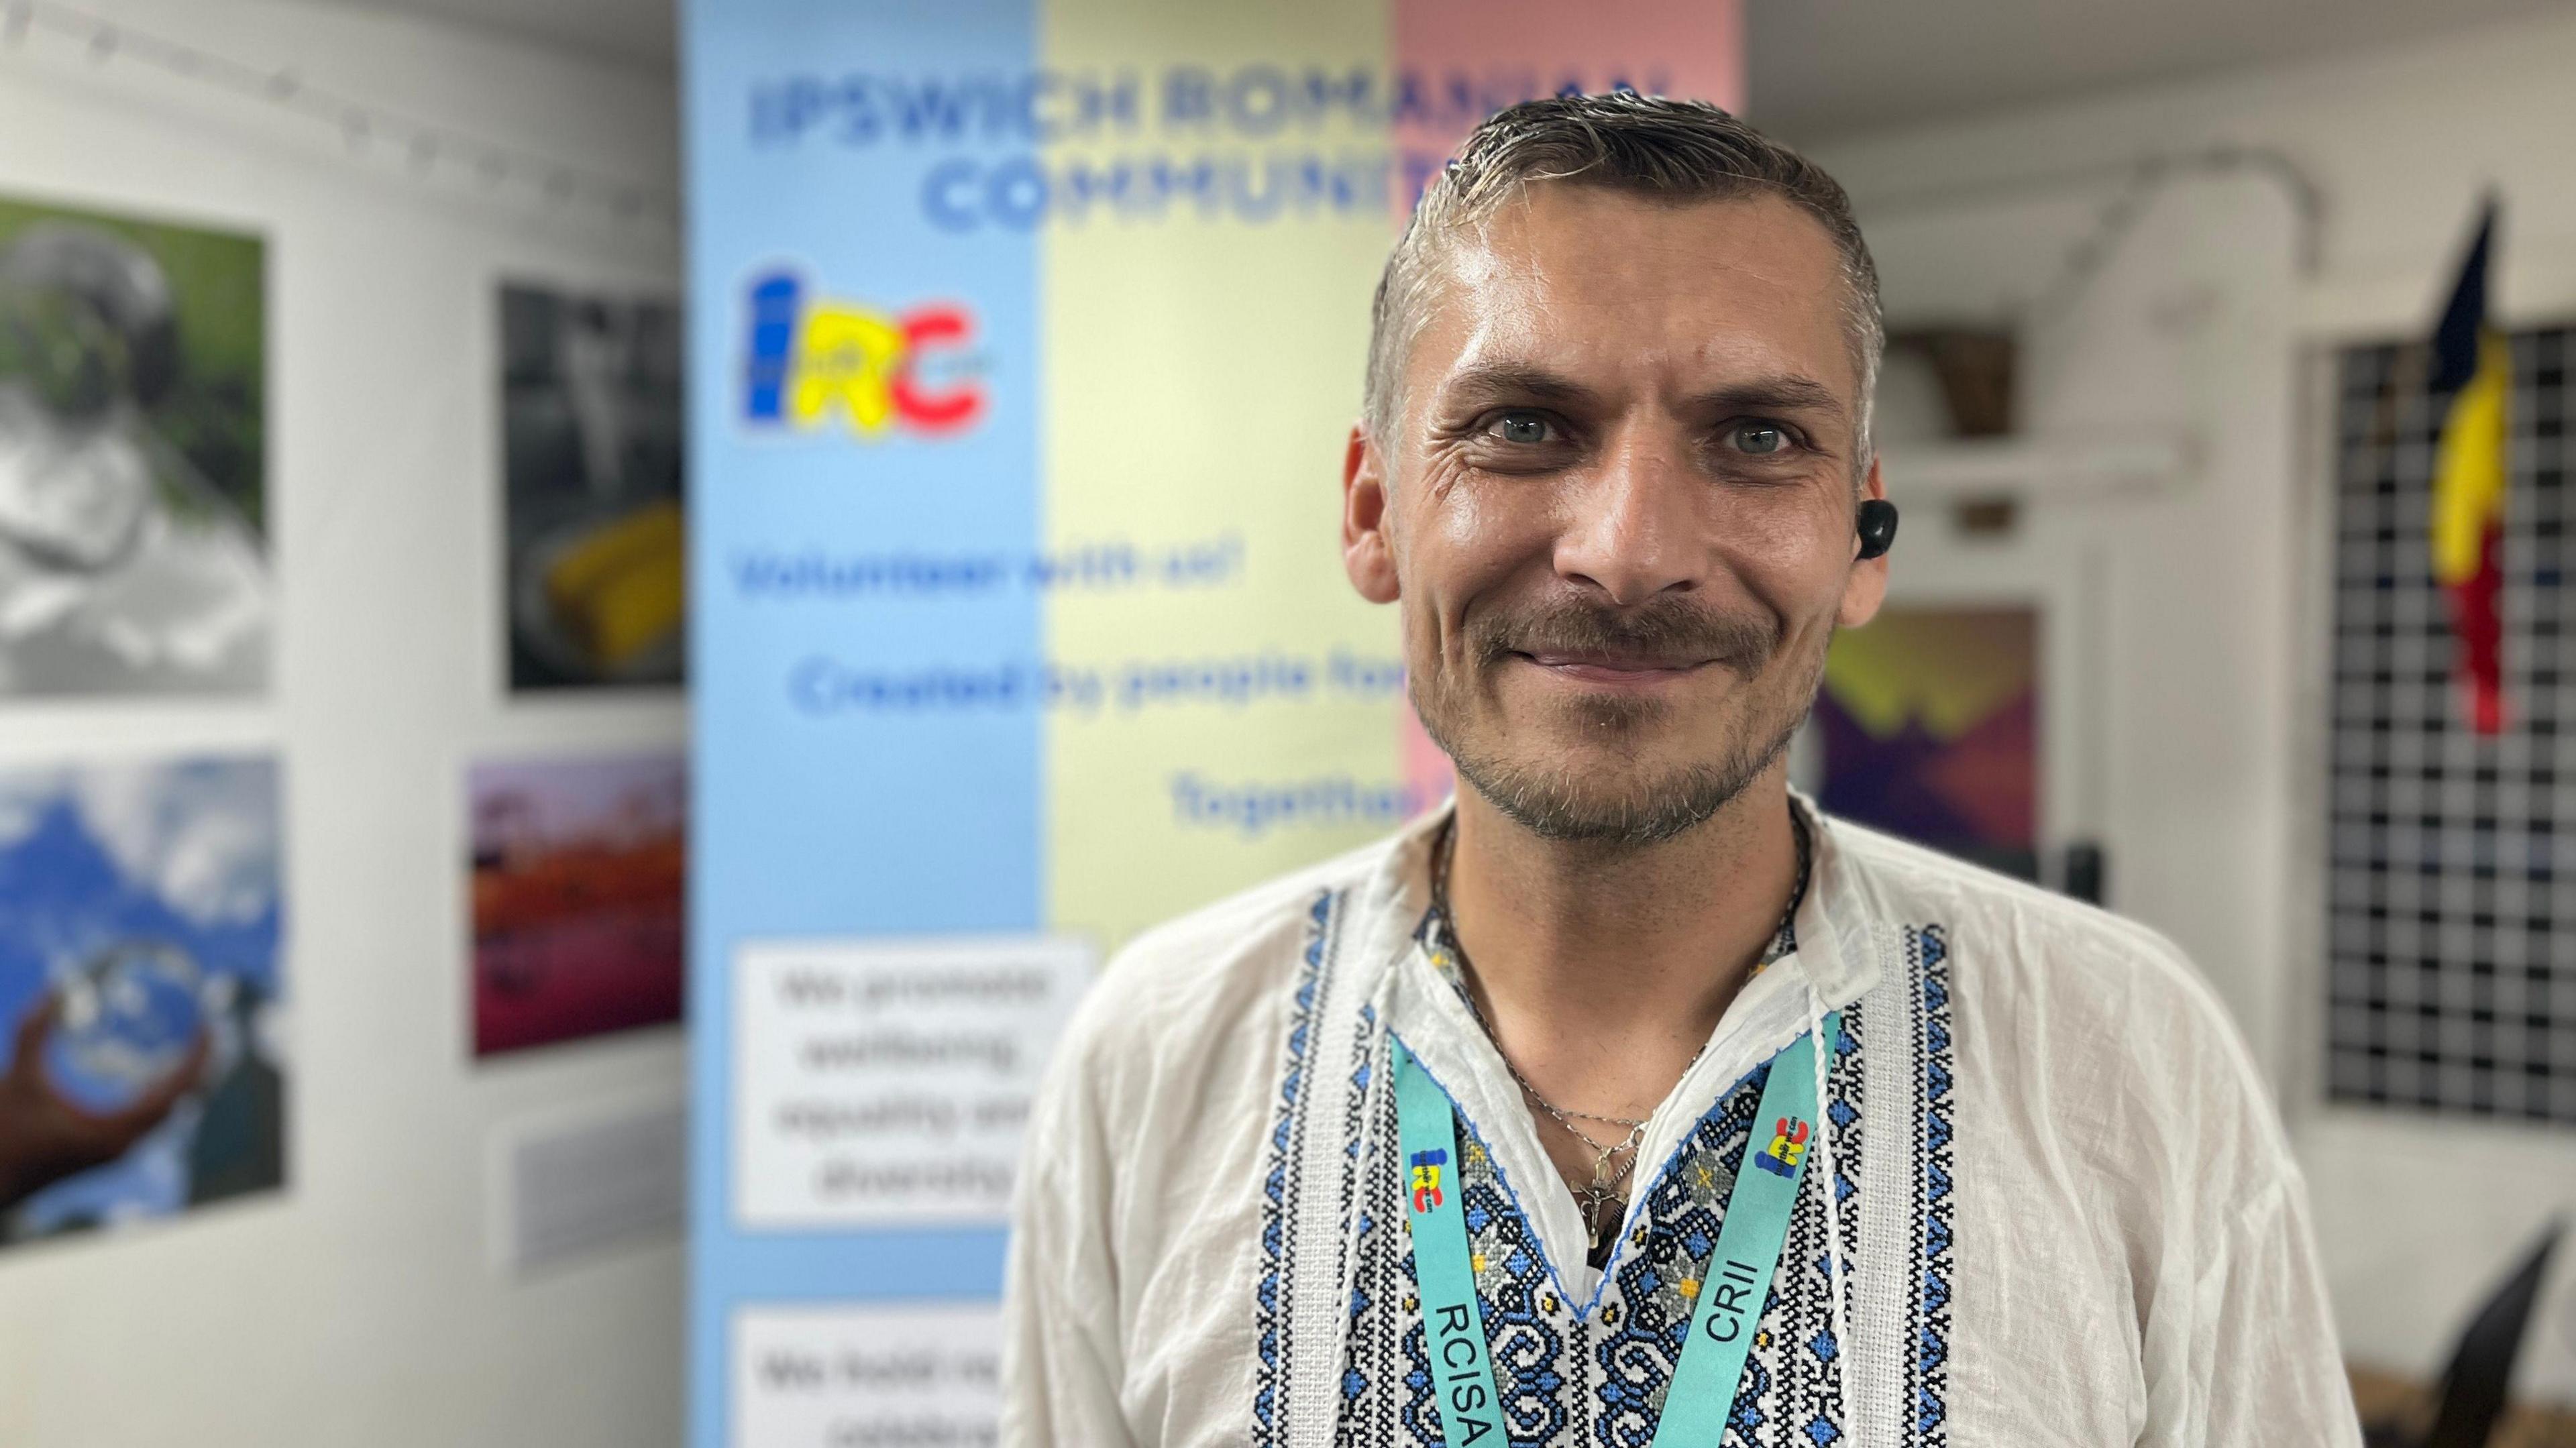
(1368, 555)
(1866, 586)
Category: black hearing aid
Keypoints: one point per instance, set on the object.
(1877, 527)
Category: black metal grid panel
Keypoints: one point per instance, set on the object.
(2451, 976)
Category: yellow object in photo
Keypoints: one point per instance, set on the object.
(620, 591)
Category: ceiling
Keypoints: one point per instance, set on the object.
(633, 32)
(1830, 67)
(1820, 68)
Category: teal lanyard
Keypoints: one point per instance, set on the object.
(1453, 1325)
(1728, 1300)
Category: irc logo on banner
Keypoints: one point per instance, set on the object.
(810, 357)
(1788, 1148)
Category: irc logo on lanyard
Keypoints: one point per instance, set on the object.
(1426, 1178)
(1788, 1148)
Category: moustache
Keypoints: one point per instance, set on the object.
(1662, 632)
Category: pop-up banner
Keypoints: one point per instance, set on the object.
(1024, 341)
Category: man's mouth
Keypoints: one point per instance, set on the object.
(1611, 669)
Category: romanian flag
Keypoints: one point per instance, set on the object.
(2472, 374)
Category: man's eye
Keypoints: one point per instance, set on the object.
(1758, 438)
(1522, 427)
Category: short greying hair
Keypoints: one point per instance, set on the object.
(1674, 152)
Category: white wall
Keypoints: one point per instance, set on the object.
(359, 1307)
(2209, 604)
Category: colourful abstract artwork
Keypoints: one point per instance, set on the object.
(1930, 724)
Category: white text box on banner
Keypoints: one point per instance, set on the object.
(886, 1082)
(832, 1377)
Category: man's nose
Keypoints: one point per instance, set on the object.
(1632, 530)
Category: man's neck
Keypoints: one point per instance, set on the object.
(1603, 970)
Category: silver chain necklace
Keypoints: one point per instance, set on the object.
(1604, 1181)
(1602, 1191)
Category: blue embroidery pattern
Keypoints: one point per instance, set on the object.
(1385, 1375)
(1805, 1391)
(1655, 1278)
(1279, 1194)
(1524, 1320)
(1598, 1378)
(1927, 955)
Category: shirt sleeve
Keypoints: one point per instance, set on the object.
(2258, 1362)
(1062, 1361)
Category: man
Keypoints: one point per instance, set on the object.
(1515, 1128)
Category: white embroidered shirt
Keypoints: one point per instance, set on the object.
(2067, 1210)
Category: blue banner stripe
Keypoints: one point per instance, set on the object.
(857, 769)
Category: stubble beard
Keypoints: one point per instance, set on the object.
(1558, 802)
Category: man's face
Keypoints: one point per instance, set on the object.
(1616, 504)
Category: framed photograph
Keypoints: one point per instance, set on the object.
(579, 878)
(133, 457)
(591, 450)
(142, 1073)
